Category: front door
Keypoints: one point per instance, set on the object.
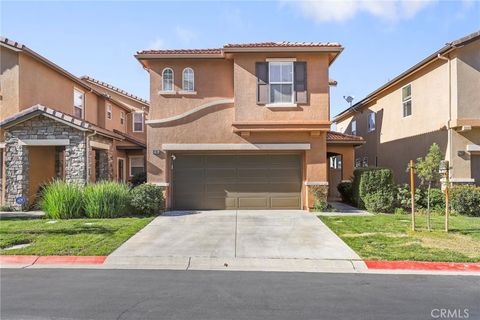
(121, 170)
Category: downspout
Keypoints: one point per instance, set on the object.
(87, 151)
(449, 128)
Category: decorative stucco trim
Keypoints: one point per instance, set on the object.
(233, 146)
(44, 142)
(280, 59)
(2, 145)
(99, 145)
(473, 148)
(160, 184)
(316, 183)
(459, 180)
(190, 112)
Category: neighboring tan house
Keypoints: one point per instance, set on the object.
(54, 125)
(437, 100)
(245, 126)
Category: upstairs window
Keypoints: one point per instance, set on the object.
(138, 122)
(188, 80)
(407, 100)
(354, 127)
(78, 103)
(109, 111)
(122, 118)
(371, 122)
(167, 79)
(281, 82)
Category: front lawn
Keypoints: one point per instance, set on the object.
(81, 237)
(388, 237)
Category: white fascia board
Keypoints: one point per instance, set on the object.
(473, 148)
(233, 146)
(44, 142)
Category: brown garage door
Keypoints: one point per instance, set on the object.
(475, 167)
(237, 182)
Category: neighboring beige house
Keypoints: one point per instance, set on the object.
(245, 126)
(54, 125)
(437, 100)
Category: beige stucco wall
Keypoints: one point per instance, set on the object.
(132, 103)
(245, 83)
(468, 81)
(9, 82)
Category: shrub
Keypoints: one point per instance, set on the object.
(437, 200)
(346, 191)
(400, 211)
(372, 180)
(62, 200)
(147, 199)
(138, 179)
(7, 209)
(379, 201)
(106, 199)
(465, 200)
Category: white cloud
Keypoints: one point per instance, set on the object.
(185, 36)
(342, 10)
(156, 44)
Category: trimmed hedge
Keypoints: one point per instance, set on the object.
(345, 189)
(465, 200)
(147, 199)
(377, 183)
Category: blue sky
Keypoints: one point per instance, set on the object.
(381, 38)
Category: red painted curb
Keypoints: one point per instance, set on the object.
(71, 260)
(423, 265)
(18, 259)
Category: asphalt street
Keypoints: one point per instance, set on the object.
(159, 294)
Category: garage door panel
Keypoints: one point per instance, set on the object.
(237, 182)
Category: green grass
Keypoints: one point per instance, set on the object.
(388, 237)
(82, 237)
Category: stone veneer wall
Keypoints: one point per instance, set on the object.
(16, 155)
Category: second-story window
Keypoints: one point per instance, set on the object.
(371, 122)
(167, 79)
(407, 100)
(78, 103)
(122, 118)
(354, 127)
(281, 82)
(138, 122)
(109, 111)
(188, 80)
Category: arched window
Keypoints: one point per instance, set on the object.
(167, 79)
(188, 79)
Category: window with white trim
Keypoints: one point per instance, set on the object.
(280, 75)
(122, 118)
(354, 128)
(365, 162)
(188, 80)
(407, 100)
(137, 165)
(167, 79)
(137, 121)
(371, 122)
(109, 111)
(78, 103)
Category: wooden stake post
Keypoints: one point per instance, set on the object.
(447, 178)
(412, 193)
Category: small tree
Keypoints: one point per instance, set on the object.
(427, 170)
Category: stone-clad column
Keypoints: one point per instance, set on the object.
(76, 159)
(16, 171)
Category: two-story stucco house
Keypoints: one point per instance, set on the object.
(54, 125)
(245, 126)
(436, 100)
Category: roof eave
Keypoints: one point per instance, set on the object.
(283, 49)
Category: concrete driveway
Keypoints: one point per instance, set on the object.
(258, 234)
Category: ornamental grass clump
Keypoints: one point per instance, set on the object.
(61, 200)
(106, 199)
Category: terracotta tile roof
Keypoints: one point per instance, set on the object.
(183, 51)
(39, 109)
(113, 88)
(255, 45)
(285, 44)
(333, 136)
